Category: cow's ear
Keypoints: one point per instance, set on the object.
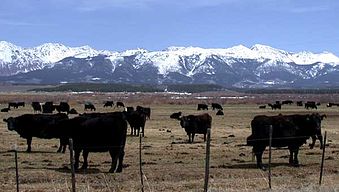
(5, 120)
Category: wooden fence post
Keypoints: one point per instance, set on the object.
(72, 164)
(270, 157)
(207, 161)
(140, 164)
(322, 160)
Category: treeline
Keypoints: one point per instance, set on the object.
(287, 91)
(112, 87)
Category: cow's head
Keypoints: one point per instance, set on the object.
(10, 123)
(315, 120)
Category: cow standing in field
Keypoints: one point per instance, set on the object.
(108, 104)
(63, 107)
(216, 106)
(120, 104)
(275, 106)
(196, 124)
(36, 106)
(5, 110)
(202, 106)
(310, 105)
(137, 121)
(291, 131)
(48, 107)
(95, 132)
(33, 125)
(89, 106)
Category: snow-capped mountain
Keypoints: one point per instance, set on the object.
(258, 66)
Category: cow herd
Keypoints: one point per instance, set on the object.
(307, 104)
(290, 131)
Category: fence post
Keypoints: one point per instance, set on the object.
(207, 162)
(322, 160)
(72, 163)
(16, 168)
(140, 164)
(270, 157)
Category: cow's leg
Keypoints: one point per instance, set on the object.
(143, 131)
(85, 156)
(76, 158)
(314, 138)
(320, 138)
(193, 134)
(29, 143)
(293, 160)
(258, 151)
(189, 137)
(114, 152)
(204, 137)
(121, 159)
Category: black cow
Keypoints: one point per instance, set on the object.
(220, 112)
(89, 106)
(13, 104)
(48, 107)
(287, 102)
(129, 109)
(202, 106)
(216, 106)
(108, 104)
(299, 103)
(36, 106)
(262, 107)
(5, 109)
(63, 107)
(332, 104)
(291, 131)
(145, 110)
(120, 104)
(95, 132)
(196, 124)
(176, 115)
(275, 106)
(310, 105)
(137, 121)
(33, 125)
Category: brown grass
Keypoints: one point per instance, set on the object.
(169, 162)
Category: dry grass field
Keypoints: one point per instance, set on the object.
(169, 162)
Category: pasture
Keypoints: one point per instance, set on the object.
(170, 163)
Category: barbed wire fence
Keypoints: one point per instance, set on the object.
(143, 175)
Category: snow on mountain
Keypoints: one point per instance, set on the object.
(258, 61)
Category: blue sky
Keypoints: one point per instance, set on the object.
(292, 25)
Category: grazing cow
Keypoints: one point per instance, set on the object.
(33, 125)
(202, 106)
(16, 104)
(291, 131)
(5, 109)
(13, 104)
(332, 104)
(36, 106)
(216, 106)
(137, 121)
(176, 115)
(196, 124)
(108, 104)
(95, 133)
(299, 103)
(89, 106)
(48, 107)
(287, 102)
(63, 107)
(275, 106)
(262, 107)
(120, 104)
(310, 105)
(145, 110)
(220, 112)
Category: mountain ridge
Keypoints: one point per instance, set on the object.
(237, 66)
